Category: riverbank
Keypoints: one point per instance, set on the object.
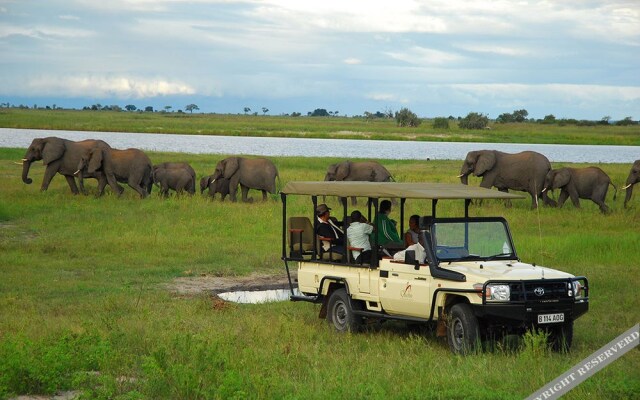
(313, 127)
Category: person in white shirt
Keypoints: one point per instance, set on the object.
(358, 234)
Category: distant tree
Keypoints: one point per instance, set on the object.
(605, 120)
(319, 112)
(191, 107)
(505, 118)
(626, 121)
(148, 109)
(441, 123)
(520, 115)
(265, 110)
(335, 113)
(247, 110)
(130, 107)
(296, 114)
(549, 119)
(406, 117)
(474, 120)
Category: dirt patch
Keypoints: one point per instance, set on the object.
(194, 285)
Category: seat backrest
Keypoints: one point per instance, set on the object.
(300, 241)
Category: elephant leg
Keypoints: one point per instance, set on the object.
(72, 184)
(49, 173)
(264, 195)
(245, 192)
(136, 185)
(562, 198)
(233, 189)
(574, 198)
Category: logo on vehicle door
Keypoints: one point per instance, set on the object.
(406, 293)
(539, 291)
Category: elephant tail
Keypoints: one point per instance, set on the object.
(615, 190)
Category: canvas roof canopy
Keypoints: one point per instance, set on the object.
(407, 190)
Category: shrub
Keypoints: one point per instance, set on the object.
(474, 120)
(406, 117)
(441, 123)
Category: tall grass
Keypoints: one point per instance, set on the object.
(84, 303)
(330, 127)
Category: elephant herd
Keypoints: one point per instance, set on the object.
(96, 159)
(527, 171)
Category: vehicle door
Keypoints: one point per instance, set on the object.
(405, 290)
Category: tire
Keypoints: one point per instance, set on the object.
(463, 332)
(341, 314)
(561, 337)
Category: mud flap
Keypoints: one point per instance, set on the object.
(323, 308)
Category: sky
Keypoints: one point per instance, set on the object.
(571, 58)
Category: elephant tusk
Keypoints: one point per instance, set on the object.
(17, 163)
(25, 159)
(544, 190)
(460, 176)
(77, 172)
(626, 187)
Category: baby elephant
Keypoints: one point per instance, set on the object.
(220, 185)
(178, 179)
(580, 183)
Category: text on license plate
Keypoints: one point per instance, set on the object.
(550, 318)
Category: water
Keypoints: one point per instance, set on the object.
(257, 297)
(343, 148)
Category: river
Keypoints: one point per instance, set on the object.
(306, 147)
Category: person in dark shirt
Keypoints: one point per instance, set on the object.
(329, 229)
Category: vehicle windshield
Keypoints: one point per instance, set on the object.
(472, 240)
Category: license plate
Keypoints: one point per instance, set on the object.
(550, 318)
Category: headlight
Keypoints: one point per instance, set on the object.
(577, 289)
(495, 292)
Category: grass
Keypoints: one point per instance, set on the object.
(331, 127)
(84, 304)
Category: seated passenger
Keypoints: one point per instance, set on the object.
(414, 235)
(358, 234)
(386, 232)
(327, 228)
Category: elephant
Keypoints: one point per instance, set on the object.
(131, 166)
(61, 156)
(523, 171)
(258, 173)
(179, 165)
(220, 185)
(369, 171)
(632, 179)
(580, 183)
(178, 179)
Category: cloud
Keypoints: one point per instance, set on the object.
(43, 32)
(352, 61)
(119, 87)
(424, 56)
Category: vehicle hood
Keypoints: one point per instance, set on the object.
(481, 271)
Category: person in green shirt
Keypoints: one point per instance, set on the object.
(386, 231)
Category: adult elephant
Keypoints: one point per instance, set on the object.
(368, 171)
(580, 183)
(61, 156)
(632, 179)
(220, 185)
(256, 173)
(131, 166)
(523, 171)
(179, 166)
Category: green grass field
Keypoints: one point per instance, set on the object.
(329, 127)
(84, 303)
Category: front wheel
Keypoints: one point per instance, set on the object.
(341, 313)
(561, 337)
(463, 332)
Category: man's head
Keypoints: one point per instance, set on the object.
(385, 206)
(356, 216)
(414, 222)
(322, 211)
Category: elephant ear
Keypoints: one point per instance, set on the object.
(53, 149)
(95, 160)
(343, 170)
(231, 166)
(562, 178)
(485, 162)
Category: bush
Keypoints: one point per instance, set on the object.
(405, 117)
(441, 123)
(474, 120)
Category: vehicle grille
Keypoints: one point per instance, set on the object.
(539, 291)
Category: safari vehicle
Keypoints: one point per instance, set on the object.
(471, 286)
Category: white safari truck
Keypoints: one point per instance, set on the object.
(471, 285)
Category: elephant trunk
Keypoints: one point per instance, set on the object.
(629, 191)
(464, 179)
(26, 164)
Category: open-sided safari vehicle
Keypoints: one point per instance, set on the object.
(471, 284)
